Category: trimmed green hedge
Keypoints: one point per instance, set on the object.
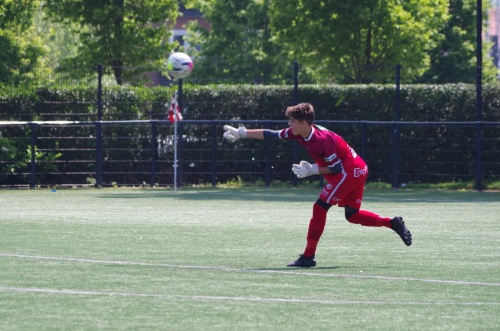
(444, 149)
(453, 102)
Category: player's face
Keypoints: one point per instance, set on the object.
(299, 128)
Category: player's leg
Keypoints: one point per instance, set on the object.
(352, 203)
(353, 214)
(333, 192)
(365, 217)
(316, 228)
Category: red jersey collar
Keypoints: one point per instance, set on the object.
(311, 135)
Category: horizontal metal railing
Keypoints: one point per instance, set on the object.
(105, 155)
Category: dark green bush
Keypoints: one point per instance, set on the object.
(442, 148)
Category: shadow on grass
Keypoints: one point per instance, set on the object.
(303, 268)
(302, 195)
(253, 194)
(295, 269)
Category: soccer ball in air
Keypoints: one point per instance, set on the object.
(179, 65)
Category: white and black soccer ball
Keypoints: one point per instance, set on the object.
(179, 65)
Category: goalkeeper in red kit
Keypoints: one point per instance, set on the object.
(338, 163)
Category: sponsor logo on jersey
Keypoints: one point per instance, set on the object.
(326, 190)
(358, 172)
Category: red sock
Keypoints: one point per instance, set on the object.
(316, 227)
(367, 218)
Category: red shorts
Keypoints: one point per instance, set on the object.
(345, 188)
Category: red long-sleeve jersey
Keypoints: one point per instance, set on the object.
(327, 149)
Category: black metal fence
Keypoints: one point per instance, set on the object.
(102, 143)
(135, 153)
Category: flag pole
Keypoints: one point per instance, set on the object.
(175, 115)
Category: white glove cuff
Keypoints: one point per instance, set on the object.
(242, 131)
(315, 169)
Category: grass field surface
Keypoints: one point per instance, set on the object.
(215, 259)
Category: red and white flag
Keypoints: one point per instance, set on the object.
(174, 113)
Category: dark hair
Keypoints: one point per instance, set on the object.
(301, 112)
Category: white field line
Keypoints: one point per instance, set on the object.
(113, 213)
(257, 299)
(248, 270)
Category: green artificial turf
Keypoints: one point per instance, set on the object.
(215, 259)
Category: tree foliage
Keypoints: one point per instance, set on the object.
(360, 36)
(454, 59)
(21, 47)
(17, 13)
(117, 33)
(238, 45)
(61, 40)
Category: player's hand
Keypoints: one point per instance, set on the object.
(233, 134)
(304, 169)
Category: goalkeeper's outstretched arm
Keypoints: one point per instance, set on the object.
(232, 134)
(303, 169)
(263, 134)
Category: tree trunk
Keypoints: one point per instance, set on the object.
(118, 71)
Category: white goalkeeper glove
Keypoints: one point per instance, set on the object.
(233, 134)
(304, 169)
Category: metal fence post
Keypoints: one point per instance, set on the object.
(395, 130)
(268, 160)
(99, 69)
(295, 152)
(363, 139)
(154, 151)
(98, 170)
(33, 155)
(479, 102)
(180, 126)
(478, 185)
(213, 164)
